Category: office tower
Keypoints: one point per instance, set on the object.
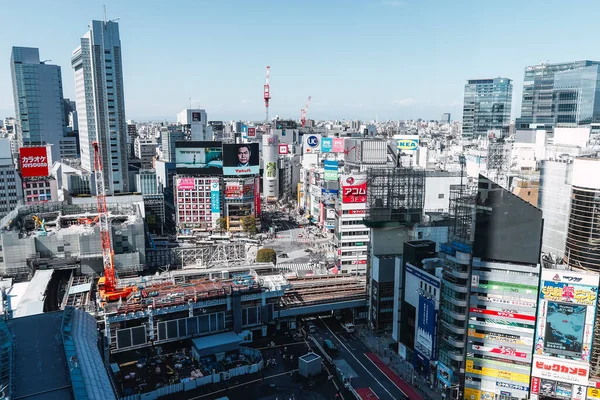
(486, 106)
(100, 102)
(489, 287)
(577, 96)
(195, 121)
(582, 248)
(445, 118)
(537, 106)
(11, 189)
(39, 103)
(170, 135)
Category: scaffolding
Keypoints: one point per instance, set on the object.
(394, 195)
(462, 212)
(206, 256)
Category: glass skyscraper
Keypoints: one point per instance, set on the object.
(39, 103)
(538, 104)
(577, 96)
(100, 102)
(487, 106)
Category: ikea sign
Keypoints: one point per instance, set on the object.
(408, 144)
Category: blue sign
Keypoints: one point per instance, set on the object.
(312, 141)
(444, 374)
(215, 198)
(330, 165)
(425, 335)
(326, 145)
(328, 196)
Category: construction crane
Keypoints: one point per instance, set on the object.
(304, 111)
(267, 94)
(40, 224)
(107, 284)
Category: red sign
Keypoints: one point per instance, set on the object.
(251, 132)
(34, 161)
(256, 194)
(535, 385)
(354, 189)
(507, 314)
(357, 211)
(555, 367)
(186, 184)
(359, 262)
(283, 149)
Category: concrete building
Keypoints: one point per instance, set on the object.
(100, 99)
(196, 123)
(170, 135)
(145, 150)
(11, 188)
(437, 189)
(445, 118)
(39, 103)
(270, 156)
(197, 204)
(487, 106)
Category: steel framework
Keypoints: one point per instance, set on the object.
(395, 195)
(205, 256)
(462, 211)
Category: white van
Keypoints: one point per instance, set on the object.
(349, 328)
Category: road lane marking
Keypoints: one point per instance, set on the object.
(384, 374)
(357, 360)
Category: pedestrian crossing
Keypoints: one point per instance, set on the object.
(296, 267)
(290, 239)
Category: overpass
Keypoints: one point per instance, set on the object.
(322, 293)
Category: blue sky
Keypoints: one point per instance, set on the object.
(356, 58)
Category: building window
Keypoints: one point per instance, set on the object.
(441, 196)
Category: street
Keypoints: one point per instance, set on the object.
(356, 354)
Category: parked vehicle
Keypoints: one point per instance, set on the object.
(349, 328)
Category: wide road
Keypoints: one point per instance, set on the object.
(354, 352)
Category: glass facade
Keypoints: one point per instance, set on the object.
(487, 106)
(537, 106)
(577, 96)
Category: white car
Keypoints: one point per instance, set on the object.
(349, 328)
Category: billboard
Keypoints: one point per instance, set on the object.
(241, 159)
(566, 314)
(283, 148)
(311, 143)
(331, 170)
(326, 145)
(199, 157)
(556, 369)
(425, 329)
(186, 184)
(354, 188)
(34, 161)
(234, 191)
(215, 201)
(444, 374)
(337, 145)
(496, 373)
(251, 132)
(328, 196)
(257, 198)
(330, 213)
(499, 337)
(271, 170)
(407, 142)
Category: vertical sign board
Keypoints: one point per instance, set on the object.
(34, 161)
(425, 329)
(337, 145)
(330, 169)
(215, 201)
(283, 149)
(251, 132)
(326, 145)
(257, 198)
(354, 188)
(311, 143)
(564, 333)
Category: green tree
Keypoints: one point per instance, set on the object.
(266, 255)
(222, 224)
(249, 225)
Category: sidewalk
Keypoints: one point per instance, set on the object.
(403, 369)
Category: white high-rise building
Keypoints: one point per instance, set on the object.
(100, 102)
(196, 121)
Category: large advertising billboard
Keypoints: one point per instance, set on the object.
(566, 314)
(338, 145)
(407, 142)
(556, 369)
(326, 145)
(240, 159)
(251, 132)
(199, 157)
(271, 170)
(328, 196)
(34, 161)
(257, 198)
(425, 329)
(283, 149)
(330, 170)
(215, 201)
(354, 188)
(311, 143)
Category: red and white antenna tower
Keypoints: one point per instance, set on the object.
(304, 111)
(267, 94)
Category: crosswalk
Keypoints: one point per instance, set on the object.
(290, 239)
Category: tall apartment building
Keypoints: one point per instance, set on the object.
(98, 70)
(145, 150)
(170, 135)
(39, 103)
(11, 189)
(489, 295)
(445, 118)
(487, 106)
(537, 107)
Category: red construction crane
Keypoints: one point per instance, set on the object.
(304, 111)
(107, 285)
(267, 94)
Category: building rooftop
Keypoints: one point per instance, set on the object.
(34, 296)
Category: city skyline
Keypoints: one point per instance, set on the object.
(359, 60)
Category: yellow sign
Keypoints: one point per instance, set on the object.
(593, 394)
(408, 144)
(472, 394)
(579, 296)
(495, 373)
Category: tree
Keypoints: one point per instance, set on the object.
(222, 224)
(266, 255)
(249, 225)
